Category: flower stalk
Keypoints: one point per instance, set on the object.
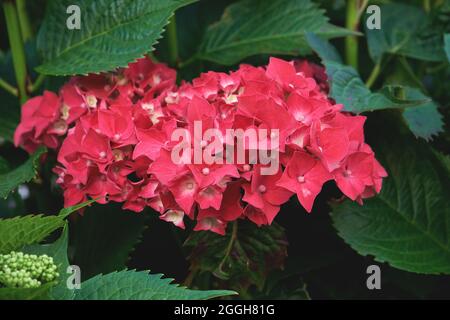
(32, 87)
(24, 21)
(351, 42)
(9, 88)
(17, 48)
(355, 9)
(173, 41)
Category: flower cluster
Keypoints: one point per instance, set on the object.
(19, 270)
(117, 141)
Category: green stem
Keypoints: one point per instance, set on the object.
(230, 244)
(37, 83)
(173, 41)
(190, 277)
(377, 69)
(177, 239)
(25, 26)
(404, 63)
(187, 62)
(373, 75)
(351, 42)
(437, 68)
(17, 48)
(426, 5)
(5, 85)
(361, 9)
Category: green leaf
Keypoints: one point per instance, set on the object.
(65, 212)
(323, 48)
(411, 35)
(104, 237)
(40, 293)
(447, 45)
(20, 231)
(347, 88)
(252, 27)
(408, 223)
(244, 256)
(134, 285)
(423, 120)
(57, 250)
(24, 173)
(120, 30)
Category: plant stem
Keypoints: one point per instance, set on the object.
(32, 87)
(379, 66)
(351, 42)
(187, 62)
(173, 41)
(17, 48)
(190, 277)
(373, 75)
(437, 68)
(25, 26)
(426, 5)
(177, 239)
(230, 245)
(406, 67)
(11, 89)
(361, 9)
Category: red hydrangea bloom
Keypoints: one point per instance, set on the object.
(304, 175)
(114, 136)
(41, 123)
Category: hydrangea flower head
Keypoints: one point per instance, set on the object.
(114, 134)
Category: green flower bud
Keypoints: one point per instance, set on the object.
(20, 270)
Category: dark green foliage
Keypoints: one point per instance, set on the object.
(104, 237)
(245, 256)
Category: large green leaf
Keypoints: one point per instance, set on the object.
(20, 231)
(133, 285)
(408, 223)
(24, 173)
(346, 87)
(252, 27)
(113, 33)
(58, 251)
(423, 120)
(411, 35)
(40, 293)
(15, 233)
(104, 237)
